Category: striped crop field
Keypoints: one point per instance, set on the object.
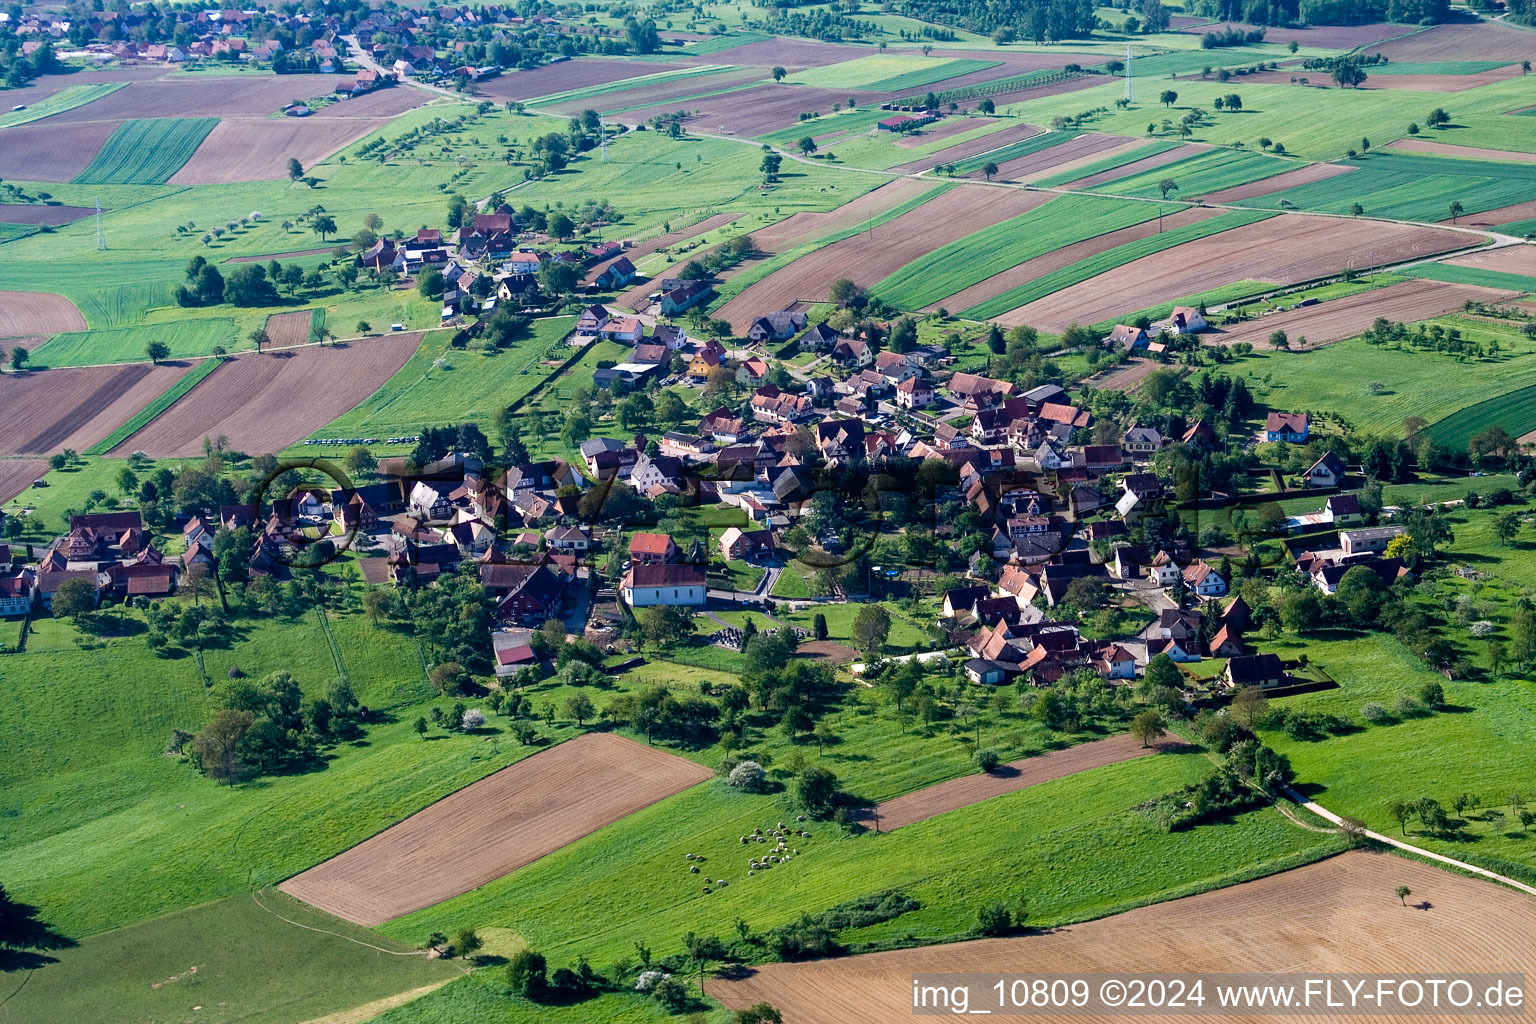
(167, 398)
(1201, 173)
(1413, 186)
(629, 83)
(1109, 163)
(992, 250)
(146, 151)
(1024, 147)
(67, 98)
(1097, 264)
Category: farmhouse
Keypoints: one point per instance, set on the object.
(914, 393)
(737, 544)
(1291, 427)
(651, 549)
(677, 585)
(1186, 320)
(780, 326)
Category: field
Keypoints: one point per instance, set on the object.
(961, 151)
(1281, 249)
(589, 92)
(1277, 183)
(1030, 144)
(494, 827)
(44, 152)
(155, 408)
(32, 313)
(1514, 411)
(186, 339)
(264, 403)
(554, 79)
(990, 253)
(29, 213)
(1144, 157)
(67, 98)
(146, 151)
(1072, 844)
(1067, 156)
(1511, 259)
(888, 72)
(1334, 379)
(437, 375)
(289, 328)
(259, 150)
(1020, 276)
(749, 112)
(1479, 276)
(871, 257)
(923, 804)
(1335, 916)
(16, 475)
(1209, 171)
(246, 959)
(233, 96)
(1419, 145)
(1415, 186)
(75, 408)
(1344, 318)
(1483, 40)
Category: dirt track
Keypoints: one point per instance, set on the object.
(264, 403)
(494, 827)
(1067, 255)
(1281, 249)
(1344, 318)
(78, 406)
(258, 149)
(1339, 915)
(1016, 775)
(24, 313)
(867, 258)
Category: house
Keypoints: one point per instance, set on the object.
(1342, 510)
(664, 471)
(651, 354)
(1115, 662)
(651, 549)
(1138, 441)
(779, 326)
(675, 585)
(705, 359)
(511, 660)
(895, 367)
(47, 584)
(1200, 433)
(1262, 670)
(1203, 580)
(819, 338)
(1163, 570)
(1186, 320)
(984, 671)
(1373, 540)
(670, 335)
(628, 330)
(1125, 338)
(567, 539)
(752, 372)
(684, 297)
(853, 353)
(962, 600)
(16, 593)
(770, 405)
(1291, 427)
(723, 426)
(527, 593)
(737, 544)
(914, 393)
(975, 391)
(1226, 643)
(1327, 471)
(616, 274)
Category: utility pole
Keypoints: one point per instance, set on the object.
(1130, 87)
(101, 234)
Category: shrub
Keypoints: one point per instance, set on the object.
(987, 760)
(993, 919)
(474, 718)
(748, 776)
(526, 974)
(672, 995)
(1374, 713)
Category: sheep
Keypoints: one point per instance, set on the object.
(688, 856)
(693, 870)
(743, 840)
(800, 817)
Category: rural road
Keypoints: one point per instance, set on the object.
(1323, 812)
(357, 53)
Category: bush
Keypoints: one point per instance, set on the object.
(748, 776)
(526, 974)
(1374, 713)
(672, 995)
(474, 718)
(987, 760)
(1432, 695)
(993, 919)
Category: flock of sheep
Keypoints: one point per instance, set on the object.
(782, 853)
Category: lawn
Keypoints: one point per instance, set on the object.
(235, 959)
(978, 256)
(904, 635)
(474, 384)
(1339, 379)
(146, 151)
(887, 72)
(1091, 266)
(1073, 846)
(186, 339)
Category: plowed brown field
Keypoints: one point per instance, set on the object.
(76, 407)
(494, 827)
(289, 328)
(23, 313)
(1495, 217)
(1016, 775)
(661, 92)
(1482, 40)
(1061, 158)
(571, 74)
(32, 213)
(1281, 249)
(971, 147)
(1277, 183)
(16, 475)
(1511, 259)
(244, 96)
(1027, 271)
(1334, 916)
(1343, 318)
(870, 256)
(943, 130)
(264, 403)
(1141, 166)
(749, 112)
(1472, 152)
(1329, 37)
(33, 152)
(258, 149)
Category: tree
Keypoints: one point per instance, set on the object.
(871, 628)
(770, 165)
(1356, 210)
(1401, 813)
(127, 480)
(1148, 726)
(75, 597)
(360, 461)
(560, 226)
(1403, 892)
(1280, 340)
(986, 106)
(759, 1013)
(323, 225)
(1505, 526)
(420, 727)
(466, 942)
(19, 358)
(778, 74)
(157, 350)
(430, 283)
(526, 974)
(1167, 185)
(1456, 210)
(989, 168)
(819, 626)
(218, 748)
(993, 919)
(579, 706)
(1348, 74)
(1168, 98)
(816, 791)
(807, 145)
(21, 930)
(295, 169)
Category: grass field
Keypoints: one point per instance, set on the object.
(1109, 163)
(235, 958)
(1073, 846)
(1436, 67)
(887, 72)
(1413, 186)
(1091, 266)
(590, 92)
(146, 151)
(992, 250)
(186, 339)
(187, 382)
(1472, 275)
(67, 98)
(1515, 411)
(1204, 172)
(1012, 151)
(1337, 379)
(439, 376)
